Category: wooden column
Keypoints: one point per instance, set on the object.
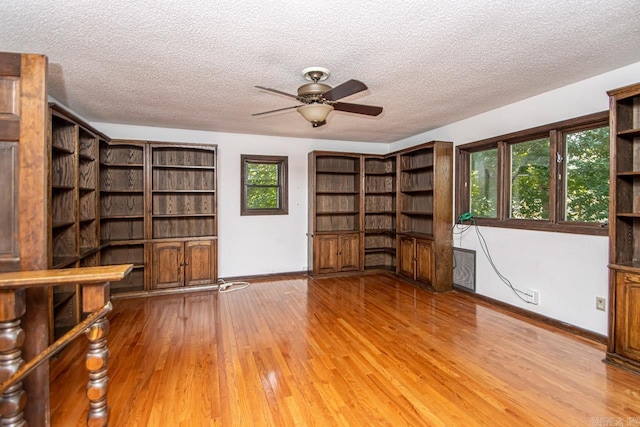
(13, 401)
(94, 297)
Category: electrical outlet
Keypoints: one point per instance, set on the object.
(532, 296)
(601, 304)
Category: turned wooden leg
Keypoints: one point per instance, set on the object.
(96, 363)
(13, 401)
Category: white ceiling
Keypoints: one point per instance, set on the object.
(194, 63)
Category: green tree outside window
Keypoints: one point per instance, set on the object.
(264, 185)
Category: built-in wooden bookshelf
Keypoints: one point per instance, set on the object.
(425, 205)
(158, 207)
(183, 191)
(380, 213)
(73, 204)
(396, 209)
(183, 215)
(416, 192)
(337, 196)
(64, 194)
(335, 211)
(624, 228)
(122, 210)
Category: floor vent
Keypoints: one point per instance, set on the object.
(464, 269)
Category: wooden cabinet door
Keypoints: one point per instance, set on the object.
(424, 261)
(168, 265)
(627, 328)
(406, 261)
(325, 254)
(200, 268)
(349, 252)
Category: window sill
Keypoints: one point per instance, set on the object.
(594, 230)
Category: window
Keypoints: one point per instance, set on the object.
(484, 183)
(530, 179)
(264, 185)
(554, 177)
(586, 191)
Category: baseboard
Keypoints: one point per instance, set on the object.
(168, 291)
(539, 317)
(622, 362)
(263, 277)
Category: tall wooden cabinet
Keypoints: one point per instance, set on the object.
(394, 210)
(334, 212)
(624, 228)
(158, 206)
(425, 212)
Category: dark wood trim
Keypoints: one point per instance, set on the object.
(463, 165)
(542, 225)
(538, 317)
(625, 363)
(556, 176)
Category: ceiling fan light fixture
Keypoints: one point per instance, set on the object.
(315, 112)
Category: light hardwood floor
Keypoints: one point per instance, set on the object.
(361, 351)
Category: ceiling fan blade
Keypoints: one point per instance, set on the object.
(345, 89)
(274, 111)
(278, 92)
(318, 124)
(369, 110)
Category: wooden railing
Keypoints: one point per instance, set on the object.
(95, 303)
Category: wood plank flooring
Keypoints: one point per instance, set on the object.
(360, 351)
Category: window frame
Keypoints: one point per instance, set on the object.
(557, 176)
(283, 199)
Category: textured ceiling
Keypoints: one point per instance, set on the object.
(194, 63)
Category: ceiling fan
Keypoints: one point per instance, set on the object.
(320, 99)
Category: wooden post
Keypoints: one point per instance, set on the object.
(94, 297)
(13, 401)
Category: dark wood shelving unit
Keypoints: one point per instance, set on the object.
(424, 215)
(379, 182)
(73, 204)
(183, 215)
(395, 210)
(158, 211)
(334, 212)
(624, 228)
(122, 210)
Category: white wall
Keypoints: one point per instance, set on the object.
(252, 245)
(568, 270)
